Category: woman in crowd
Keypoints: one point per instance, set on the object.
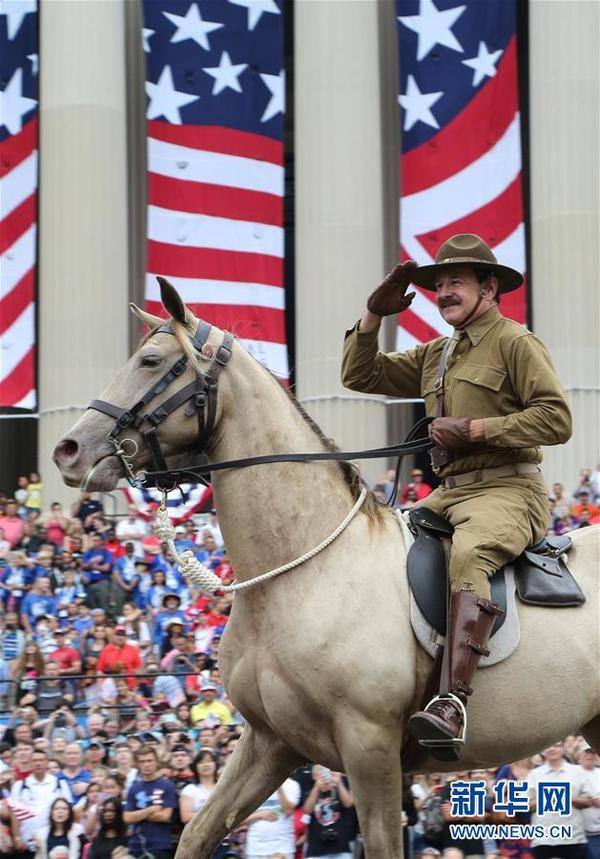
(94, 640)
(193, 796)
(111, 831)
(515, 848)
(25, 671)
(137, 628)
(62, 830)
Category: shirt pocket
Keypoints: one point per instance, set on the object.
(476, 390)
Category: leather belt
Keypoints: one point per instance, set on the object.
(489, 474)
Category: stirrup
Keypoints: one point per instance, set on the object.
(456, 744)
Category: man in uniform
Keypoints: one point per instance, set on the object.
(495, 398)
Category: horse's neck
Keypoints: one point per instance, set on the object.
(271, 514)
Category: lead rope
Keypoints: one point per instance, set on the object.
(193, 569)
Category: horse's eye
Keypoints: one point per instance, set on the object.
(150, 361)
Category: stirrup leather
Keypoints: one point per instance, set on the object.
(457, 742)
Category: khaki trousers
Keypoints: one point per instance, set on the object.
(494, 522)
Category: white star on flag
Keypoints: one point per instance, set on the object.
(165, 100)
(146, 33)
(15, 11)
(191, 26)
(276, 86)
(226, 74)
(13, 104)
(417, 104)
(433, 27)
(34, 60)
(484, 63)
(256, 9)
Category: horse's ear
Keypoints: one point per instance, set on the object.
(147, 318)
(172, 301)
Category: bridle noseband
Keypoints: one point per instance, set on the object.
(202, 393)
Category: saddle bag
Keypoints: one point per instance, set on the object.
(544, 579)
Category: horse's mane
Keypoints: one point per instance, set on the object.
(350, 472)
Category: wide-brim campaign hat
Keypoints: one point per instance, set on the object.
(467, 249)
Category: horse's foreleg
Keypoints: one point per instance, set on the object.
(371, 759)
(259, 765)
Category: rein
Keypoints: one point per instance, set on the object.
(203, 395)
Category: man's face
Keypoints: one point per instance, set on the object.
(39, 763)
(180, 760)
(148, 766)
(457, 291)
(23, 756)
(11, 509)
(554, 754)
(22, 732)
(44, 583)
(95, 723)
(588, 759)
(96, 542)
(72, 755)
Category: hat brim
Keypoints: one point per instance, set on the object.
(508, 278)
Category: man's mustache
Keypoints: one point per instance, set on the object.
(448, 302)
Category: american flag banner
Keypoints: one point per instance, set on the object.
(215, 86)
(18, 200)
(182, 503)
(461, 163)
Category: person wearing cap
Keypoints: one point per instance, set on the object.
(209, 706)
(170, 612)
(120, 651)
(416, 485)
(495, 398)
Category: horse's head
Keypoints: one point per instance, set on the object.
(145, 413)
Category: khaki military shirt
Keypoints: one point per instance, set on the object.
(499, 371)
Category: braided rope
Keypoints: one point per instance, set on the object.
(193, 569)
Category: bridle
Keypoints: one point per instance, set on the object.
(202, 394)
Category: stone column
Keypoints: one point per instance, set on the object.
(346, 152)
(565, 141)
(83, 249)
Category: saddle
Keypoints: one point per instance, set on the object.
(540, 573)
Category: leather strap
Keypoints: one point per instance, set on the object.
(482, 474)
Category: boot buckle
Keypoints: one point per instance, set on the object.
(457, 743)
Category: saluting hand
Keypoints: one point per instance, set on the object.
(390, 296)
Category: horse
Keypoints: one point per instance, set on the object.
(322, 661)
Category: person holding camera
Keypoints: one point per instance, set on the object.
(332, 821)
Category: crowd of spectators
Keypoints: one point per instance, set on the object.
(115, 725)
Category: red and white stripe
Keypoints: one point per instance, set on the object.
(18, 213)
(469, 182)
(215, 230)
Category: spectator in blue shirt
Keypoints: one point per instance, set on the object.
(97, 564)
(169, 613)
(149, 808)
(38, 601)
(126, 577)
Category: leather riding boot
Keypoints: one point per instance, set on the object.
(471, 620)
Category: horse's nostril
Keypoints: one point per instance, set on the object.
(67, 449)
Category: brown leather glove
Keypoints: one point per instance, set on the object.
(450, 433)
(390, 296)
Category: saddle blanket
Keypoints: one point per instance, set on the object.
(501, 644)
